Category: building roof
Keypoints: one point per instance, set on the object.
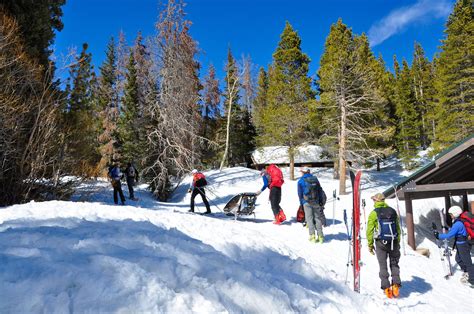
(451, 172)
(279, 155)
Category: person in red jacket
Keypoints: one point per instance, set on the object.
(197, 187)
(273, 179)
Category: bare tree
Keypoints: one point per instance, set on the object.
(174, 118)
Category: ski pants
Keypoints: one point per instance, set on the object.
(118, 190)
(383, 250)
(201, 192)
(313, 217)
(275, 199)
(463, 258)
(130, 184)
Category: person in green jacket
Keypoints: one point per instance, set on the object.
(383, 236)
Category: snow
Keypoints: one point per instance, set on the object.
(89, 255)
(279, 155)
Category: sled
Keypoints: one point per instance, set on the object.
(242, 204)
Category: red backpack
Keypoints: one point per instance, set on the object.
(300, 214)
(468, 220)
(276, 176)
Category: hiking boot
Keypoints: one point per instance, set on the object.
(320, 239)
(191, 211)
(388, 292)
(282, 216)
(312, 238)
(395, 290)
(207, 212)
(276, 221)
(465, 277)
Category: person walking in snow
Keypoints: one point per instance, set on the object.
(131, 174)
(383, 231)
(463, 247)
(309, 195)
(197, 187)
(273, 179)
(115, 175)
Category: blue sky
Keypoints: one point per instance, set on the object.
(253, 27)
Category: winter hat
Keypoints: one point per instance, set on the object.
(378, 197)
(305, 170)
(455, 211)
(194, 171)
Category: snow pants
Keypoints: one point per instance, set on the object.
(313, 217)
(383, 250)
(463, 258)
(118, 190)
(201, 192)
(130, 184)
(275, 199)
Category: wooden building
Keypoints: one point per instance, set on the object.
(450, 174)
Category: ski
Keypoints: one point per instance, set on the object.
(444, 253)
(356, 237)
(400, 219)
(446, 249)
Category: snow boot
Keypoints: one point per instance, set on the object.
(388, 292)
(320, 239)
(191, 211)
(207, 212)
(395, 290)
(312, 238)
(277, 220)
(465, 277)
(282, 216)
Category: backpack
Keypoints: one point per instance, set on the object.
(115, 173)
(468, 220)
(200, 180)
(276, 176)
(387, 220)
(300, 214)
(131, 171)
(313, 192)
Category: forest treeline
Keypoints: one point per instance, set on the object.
(148, 102)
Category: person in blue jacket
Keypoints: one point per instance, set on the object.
(312, 209)
(463, 248)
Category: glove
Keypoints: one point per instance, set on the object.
(436, 234)
(189, 190)
(371, 250)
(258, 192)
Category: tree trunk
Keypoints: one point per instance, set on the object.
(342, 152)
(291, 153)
(226, 151)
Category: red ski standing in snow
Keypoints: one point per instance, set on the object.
(273, 179)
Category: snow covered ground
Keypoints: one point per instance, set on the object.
(88, 255)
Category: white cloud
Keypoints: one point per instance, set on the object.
(399, 19)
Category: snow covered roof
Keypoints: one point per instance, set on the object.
(279, 155)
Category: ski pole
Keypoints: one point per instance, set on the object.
(334, 208)
(363, 207)
(210, 201)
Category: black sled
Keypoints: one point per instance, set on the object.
(243, 204)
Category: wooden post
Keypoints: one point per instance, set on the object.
(465, 204)
(447, 205)
(409, 221)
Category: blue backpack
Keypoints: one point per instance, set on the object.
(387, 219)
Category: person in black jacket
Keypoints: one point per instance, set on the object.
(131, 174)
(115, 175)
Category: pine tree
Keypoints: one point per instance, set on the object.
(455, 78)
(81, 116)
(260, 101)
(408, 135)
(38, 23)
(351, 97)
(284, 118)
(422, 75)
(211, 112)
(129, 122)
(109, 107)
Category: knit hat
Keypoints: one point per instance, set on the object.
(194, 171)
(378, 197)
(455, 211)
